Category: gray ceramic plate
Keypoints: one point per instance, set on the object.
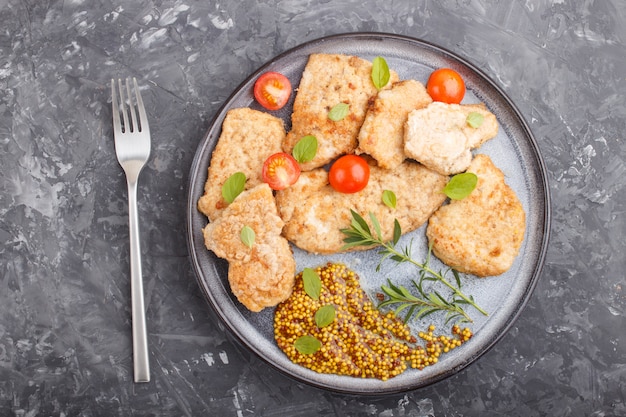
(514, 150)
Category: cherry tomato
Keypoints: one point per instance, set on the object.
(349, 174)
(272, 90)
(280, 171)
(446, 85)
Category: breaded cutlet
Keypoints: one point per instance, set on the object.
(482, 233)
(327, 80)
(263, 275)
(382, 133)
(314, 213)
(440, 137)
(247, 139)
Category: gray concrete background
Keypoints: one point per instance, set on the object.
(64, 299)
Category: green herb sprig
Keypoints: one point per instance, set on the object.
(359, 234)
(389, 198)
(339, 112)
(312, 283)
(233, 186)
(247, 236)
(423, 305)
(324, 316)
(305, 149)
(380, 72)
(461, 185)
(475, 119)
(307, 344)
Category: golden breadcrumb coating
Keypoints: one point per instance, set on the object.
(439, 136)
(248, 138)
(263, 275)
(328, 80)
(314, 213)
(482, 233)
(393, 128)
(382, 133)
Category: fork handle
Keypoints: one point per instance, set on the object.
(140, 338)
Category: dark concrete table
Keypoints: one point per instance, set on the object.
(65, 347)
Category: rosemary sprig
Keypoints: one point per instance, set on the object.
(359, 234)
(424, 305)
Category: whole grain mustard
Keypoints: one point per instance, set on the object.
(361, 341)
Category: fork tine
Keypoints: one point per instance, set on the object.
(116, 110)
(131, 107)
(123, 106)
(143, 117)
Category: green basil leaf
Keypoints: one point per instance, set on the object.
(307, 345)
(389, 198)
(306, 149)
(325, 315)
(461, 185)
(233, 186)
(475, 119)
(247, 236)
(380, 72)
(338, 112)
(312, 283)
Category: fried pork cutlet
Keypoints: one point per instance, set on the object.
(482, 233)
(328, 80)
(263, 275)
(248, 138)
(440, 137)
(382, 133)
(314, 213)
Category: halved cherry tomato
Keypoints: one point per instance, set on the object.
(272, 90)
(280, 171)
(349, 174)
(446, 85)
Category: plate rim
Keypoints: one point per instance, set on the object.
(542, 178)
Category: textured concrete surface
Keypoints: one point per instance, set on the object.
(64, 298)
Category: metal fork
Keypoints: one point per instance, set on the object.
(132, 146)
